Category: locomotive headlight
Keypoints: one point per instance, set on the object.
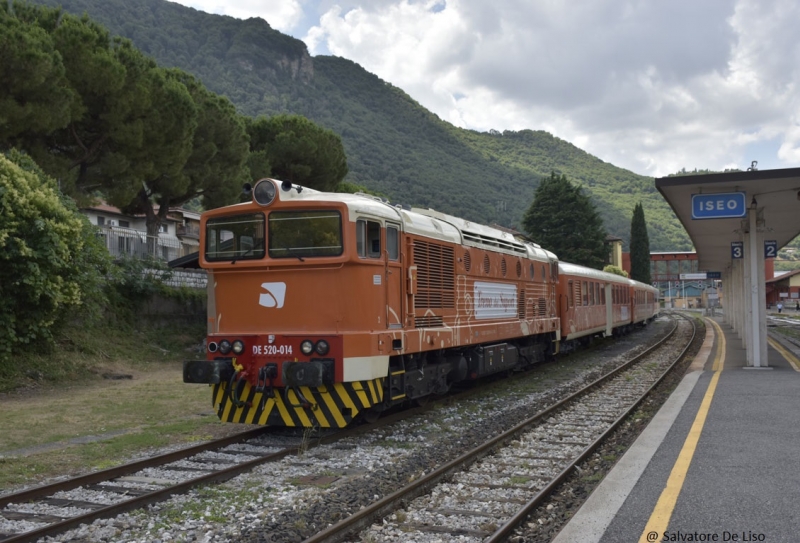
(306, 346)
(322, 347)
(264, 193)
(224, 346)
(238, 346)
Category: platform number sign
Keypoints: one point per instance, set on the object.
(770, 248)
(737, 249)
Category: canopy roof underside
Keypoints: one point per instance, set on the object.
(777, 196)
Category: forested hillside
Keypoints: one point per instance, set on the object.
(393, 145)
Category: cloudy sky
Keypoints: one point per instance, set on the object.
(649, 85)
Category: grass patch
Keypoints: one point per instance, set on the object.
(83, 353)
(25, 468)
(593, 478)
(789, 332)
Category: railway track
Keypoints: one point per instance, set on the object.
(48, 510)
(55, 509)
(485, 493)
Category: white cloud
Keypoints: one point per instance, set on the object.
(649, 86)
(283, 15)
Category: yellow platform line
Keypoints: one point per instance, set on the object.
(790, 358)
(659, 519)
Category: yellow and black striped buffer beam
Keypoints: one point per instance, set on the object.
(324, 407)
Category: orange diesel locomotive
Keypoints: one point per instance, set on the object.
(324, 306)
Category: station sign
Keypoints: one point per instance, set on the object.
(737, 249)
(723, 205)
(693, 276)
(770, 248)
(713, 275)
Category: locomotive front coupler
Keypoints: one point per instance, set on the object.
(264, 384)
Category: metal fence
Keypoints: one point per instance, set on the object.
(128, 242)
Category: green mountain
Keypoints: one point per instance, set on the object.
(393, 145)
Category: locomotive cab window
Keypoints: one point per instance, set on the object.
(238, 237)
(368, 238)
(393, 241)
(301, 234)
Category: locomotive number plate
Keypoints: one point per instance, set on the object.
(272, 350)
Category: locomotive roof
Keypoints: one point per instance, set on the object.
(426, 222)
(487, 237)
(429, 223)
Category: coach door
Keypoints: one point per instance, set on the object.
(394, 278)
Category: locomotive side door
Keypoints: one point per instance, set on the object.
(394, 278)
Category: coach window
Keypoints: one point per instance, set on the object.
(393, 241)
(597, 293)
(591, 293)
(585, 293)
(368, 238)
(603, 294)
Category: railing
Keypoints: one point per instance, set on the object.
(128, 242)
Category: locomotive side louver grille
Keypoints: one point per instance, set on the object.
(428, 322)
(542, 309)
(521, 305)
(435, 276)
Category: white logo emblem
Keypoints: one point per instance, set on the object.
(276, 293)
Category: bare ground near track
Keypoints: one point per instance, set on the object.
(51, 431)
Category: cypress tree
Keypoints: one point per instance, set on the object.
(640, 246)
(563, 220)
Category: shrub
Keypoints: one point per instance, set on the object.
(51, 264)
(615, 270)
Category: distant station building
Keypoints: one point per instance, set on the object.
(785, 289)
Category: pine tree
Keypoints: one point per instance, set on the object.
(640, 246)
(563, 220)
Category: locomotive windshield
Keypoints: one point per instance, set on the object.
(240, 237)
(300, 234)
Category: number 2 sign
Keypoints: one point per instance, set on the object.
(770, 248)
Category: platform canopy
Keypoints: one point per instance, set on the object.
(715, 196)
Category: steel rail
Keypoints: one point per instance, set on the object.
(216, 476)
(502, 533)
(337, 532)
(126, 469)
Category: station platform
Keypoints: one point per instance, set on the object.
(720, 461)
